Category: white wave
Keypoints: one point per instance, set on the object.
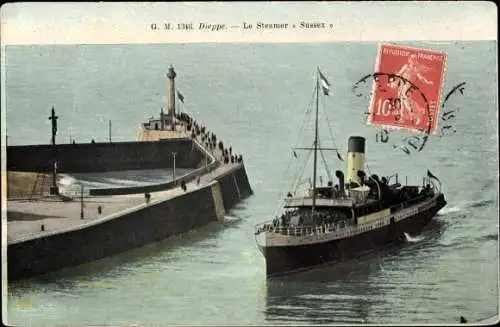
(119, 181)
(66, 181)
(228, 218)
(412, 239)
(447, 210)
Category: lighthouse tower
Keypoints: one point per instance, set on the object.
(171, 95)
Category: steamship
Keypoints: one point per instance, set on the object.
(358, 215)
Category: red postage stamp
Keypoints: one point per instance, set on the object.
(407, 88)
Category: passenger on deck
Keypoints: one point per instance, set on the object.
(336, 191)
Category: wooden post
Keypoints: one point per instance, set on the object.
(81, 201)
(173, 173)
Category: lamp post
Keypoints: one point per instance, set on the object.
(173, 173)
(110, 131)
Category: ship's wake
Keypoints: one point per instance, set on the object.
(410, 239)
(448, 210)
(465, 206)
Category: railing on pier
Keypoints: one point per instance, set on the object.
(74, 191)
(211, 164)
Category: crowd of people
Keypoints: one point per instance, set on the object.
(209, 139)
(320, 220)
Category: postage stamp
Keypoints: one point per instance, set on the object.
(407, 86)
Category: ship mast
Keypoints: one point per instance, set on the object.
(315, 143)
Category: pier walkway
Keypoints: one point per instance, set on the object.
(25, 218)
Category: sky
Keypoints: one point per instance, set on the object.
(130, 22)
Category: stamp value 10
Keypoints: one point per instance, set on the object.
(407, 87)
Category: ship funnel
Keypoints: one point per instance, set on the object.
(355, 158)
(340, 176)
(171, 94)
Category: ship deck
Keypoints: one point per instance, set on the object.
(24, 217)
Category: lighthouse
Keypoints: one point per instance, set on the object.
(171, 95)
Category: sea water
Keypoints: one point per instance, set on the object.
(254, 97)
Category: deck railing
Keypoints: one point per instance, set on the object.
(299, 231)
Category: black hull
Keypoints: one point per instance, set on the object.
(284, 260)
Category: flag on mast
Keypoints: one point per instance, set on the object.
(338, 156)
(431, 175)
(324, 83)
(180, 96)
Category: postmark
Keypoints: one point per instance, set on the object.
(450, 110)
(392, 108)
(392, 97)
(411, 142)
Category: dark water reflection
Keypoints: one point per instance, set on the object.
(147, 257)
(343, 293)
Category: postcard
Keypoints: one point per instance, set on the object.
(249, 163)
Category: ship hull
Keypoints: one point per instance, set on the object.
(284, 260)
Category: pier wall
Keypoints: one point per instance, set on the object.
(130, 229)
(101, 157)
(234, 186)
(148, 224)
